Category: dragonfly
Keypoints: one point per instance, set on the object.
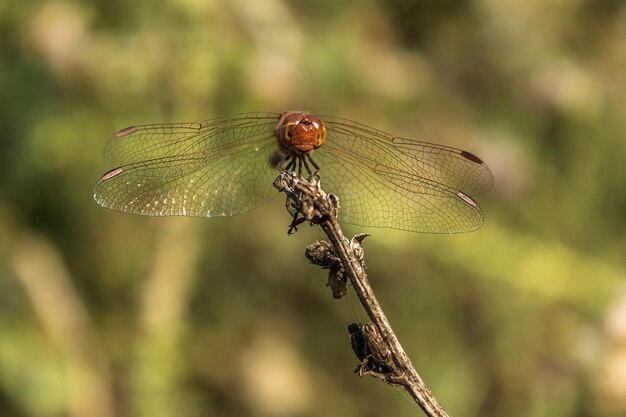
(226, 166)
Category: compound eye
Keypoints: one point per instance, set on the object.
(321, 137)
(288, 132)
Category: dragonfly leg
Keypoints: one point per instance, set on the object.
(295, 222)
(299, 159)
(306, 166)
(297, 218)
(291, 204)
(292, 163)
(312, 161)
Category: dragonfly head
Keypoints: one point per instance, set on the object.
(299, 132)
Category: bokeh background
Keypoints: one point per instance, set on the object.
(107, 314)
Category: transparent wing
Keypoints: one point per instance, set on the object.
(212, 168)
(384, 181)
(221, 167)
(455, 168)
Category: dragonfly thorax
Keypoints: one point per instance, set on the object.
(300, 133)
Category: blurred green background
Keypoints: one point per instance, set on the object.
(108, 314)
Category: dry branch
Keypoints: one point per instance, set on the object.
(375, 344)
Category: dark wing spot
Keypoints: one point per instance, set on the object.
(112, 173)
(124, 132)
(471, 157)
(467, 199)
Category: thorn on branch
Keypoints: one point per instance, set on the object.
(357, 247)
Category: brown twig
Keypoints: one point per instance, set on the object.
(375, 343)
